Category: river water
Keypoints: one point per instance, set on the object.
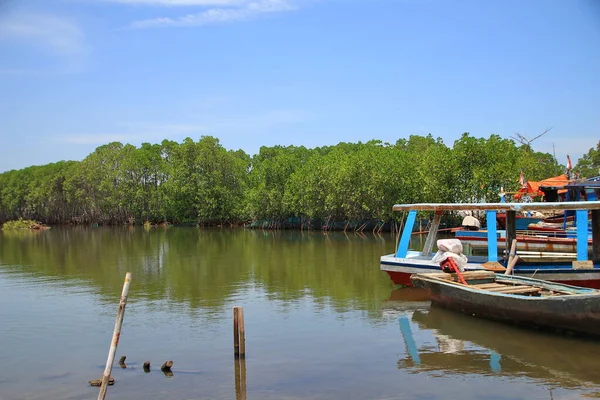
(322, 322)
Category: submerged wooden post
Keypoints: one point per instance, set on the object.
(240, 378)
(242, 362)
(238, 383)
(239, 333)
(115, 338)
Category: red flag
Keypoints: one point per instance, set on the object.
(569, 165)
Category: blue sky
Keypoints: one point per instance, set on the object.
(76, 74)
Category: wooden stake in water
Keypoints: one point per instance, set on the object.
(239, 346)
(239, 333)
(242, 335)
(236, 333)
(115, 338)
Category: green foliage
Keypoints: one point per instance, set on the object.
(269, 177)
(20, 224)
(200, 182)
(589, 164)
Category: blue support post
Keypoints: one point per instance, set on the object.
(406, 233)
(492, 235)
(495, 359)
(411, 346)
(581, 219)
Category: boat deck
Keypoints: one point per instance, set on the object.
(490, 282)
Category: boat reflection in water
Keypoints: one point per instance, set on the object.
(405, 301)
(439, 340)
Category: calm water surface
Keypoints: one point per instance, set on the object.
(322, 322)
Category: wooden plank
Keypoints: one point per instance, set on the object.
(521, 290)
(556, 293)
(503, 287)
(494, 266)
(489, 285)
(468, 275)
(432, 235)
(478, 274)
(513, 289)
(589, 264)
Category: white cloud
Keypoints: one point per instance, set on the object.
(50, 32)
(245, 11)
(45, 33)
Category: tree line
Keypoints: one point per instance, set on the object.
(203, 183)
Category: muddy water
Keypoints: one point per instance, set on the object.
(322, 322)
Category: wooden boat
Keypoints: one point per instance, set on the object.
(580, 268)
(523, 301)
(543, 226)
(522, 221)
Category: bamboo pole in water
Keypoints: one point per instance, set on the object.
(115, 338)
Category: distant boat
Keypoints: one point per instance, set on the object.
(522, 301)
(556, 189)
(579, 268)
(522, 221)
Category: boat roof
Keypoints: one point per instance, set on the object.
(539, 206)
(590, 183)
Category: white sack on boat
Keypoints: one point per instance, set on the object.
(450, 248)
(471, 222)
(453, 245)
